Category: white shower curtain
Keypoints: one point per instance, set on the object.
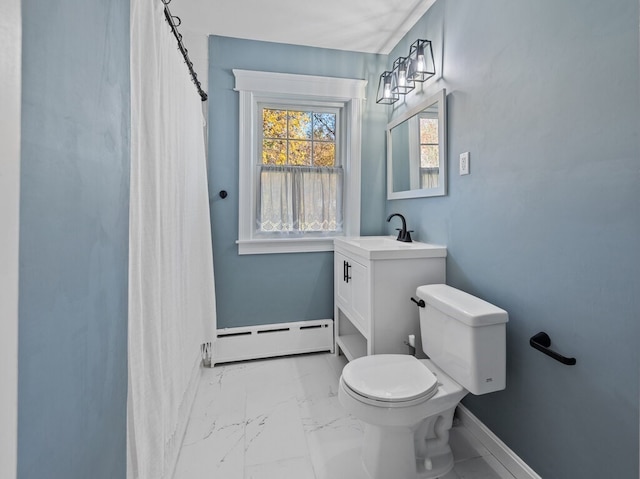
(171, 288)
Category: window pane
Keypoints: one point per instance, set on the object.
(300, 153)
(319, 200)
(300, 125)
(276, 207)
(324, 154)
(428, 130)
(324, 126)
(274, 152)
(429, 156)
(274, 123)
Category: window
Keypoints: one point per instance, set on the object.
(300, 178)
(299, 161)
(424, 150)
(429, 151)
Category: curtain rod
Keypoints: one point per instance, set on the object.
(174, 28)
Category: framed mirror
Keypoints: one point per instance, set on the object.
(416, 150)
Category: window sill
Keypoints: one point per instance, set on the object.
(285, 245)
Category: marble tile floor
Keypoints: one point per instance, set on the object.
(280, 419)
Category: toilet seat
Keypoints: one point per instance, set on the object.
(390, 379)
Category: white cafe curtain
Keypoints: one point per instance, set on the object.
(295, 199)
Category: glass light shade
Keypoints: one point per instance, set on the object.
(421, 64)
(385, 92)
(401, 83)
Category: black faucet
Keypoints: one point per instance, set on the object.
(404, 235)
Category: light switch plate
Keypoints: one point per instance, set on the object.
(464, 163)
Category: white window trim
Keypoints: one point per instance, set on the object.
(257, 87)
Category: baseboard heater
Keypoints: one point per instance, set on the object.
(272, 340)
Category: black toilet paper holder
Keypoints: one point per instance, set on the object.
(542, 341)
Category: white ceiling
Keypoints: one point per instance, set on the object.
(372, 26)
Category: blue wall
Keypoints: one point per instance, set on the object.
(274, 288)
(545, 96)
(74, 240)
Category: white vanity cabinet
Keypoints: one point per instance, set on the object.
(374, 280)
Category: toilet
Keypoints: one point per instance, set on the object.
(407, 404)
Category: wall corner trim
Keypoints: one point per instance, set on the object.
(10, 134)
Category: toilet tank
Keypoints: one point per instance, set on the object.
(464, 336)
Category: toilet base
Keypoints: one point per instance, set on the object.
(420, 452)
(433, 453)
(389, 452)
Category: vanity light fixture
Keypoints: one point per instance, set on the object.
(385, 93)
(418, 66)
(403, 84)
(421, 64)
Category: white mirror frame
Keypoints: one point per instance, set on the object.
(441, 190)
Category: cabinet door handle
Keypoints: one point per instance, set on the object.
(347, 277)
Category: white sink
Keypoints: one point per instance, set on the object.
(387, 247)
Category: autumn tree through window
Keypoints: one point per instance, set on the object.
(429, 151)
(298, 138)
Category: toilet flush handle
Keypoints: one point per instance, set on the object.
(419, 302)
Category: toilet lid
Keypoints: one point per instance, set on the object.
(390, 377)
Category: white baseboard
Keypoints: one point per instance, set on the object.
(271, 340)
(509, 459)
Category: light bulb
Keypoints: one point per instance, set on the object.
(402, 77)
(387, 89)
